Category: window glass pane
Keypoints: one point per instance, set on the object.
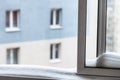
(51, 17)
(40, 32)
(57, 51)
(15, 18)
(51, 51)
(15, 55)
(8, 56)
(58, 16)
(109, 57)
(8, 19)
(113, 34)
(112, 30)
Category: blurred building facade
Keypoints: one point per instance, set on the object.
(39, 32)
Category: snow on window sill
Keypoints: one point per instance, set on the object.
(32, 71)
(55, 27)
(12, 29)
(55, 61)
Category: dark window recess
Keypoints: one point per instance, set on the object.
(51, 21)
(15, 56)
(54, 51)
(57, 51)
(58, 17)
(51, 51)
(55, 17)
(8, 56)
(7, 18)
(12, 56)
(15, 18)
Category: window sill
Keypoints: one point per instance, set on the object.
(55, 61)
(31, 71)
(23, 72)
(55, 27)
(12, 29)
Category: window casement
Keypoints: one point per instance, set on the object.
(101, 53)
(55, 52)
(12, 20)
(12, 56)
(56, 16)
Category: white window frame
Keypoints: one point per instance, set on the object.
(11, 27)
(12, 55)
(54, 17)
(82, 68)
(53, 58)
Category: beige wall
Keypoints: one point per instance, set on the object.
(38, 52)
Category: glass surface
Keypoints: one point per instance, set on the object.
(7, 18)
(112, 32)
(51, 18)
(8, 56)
(33, 29)
(58, 16)
(111, 57)
(15, 18)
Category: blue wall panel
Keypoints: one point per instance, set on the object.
(35, 20)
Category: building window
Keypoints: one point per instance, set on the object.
(56, 18)
(12, 56)
(12, 20)
(55, 52)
